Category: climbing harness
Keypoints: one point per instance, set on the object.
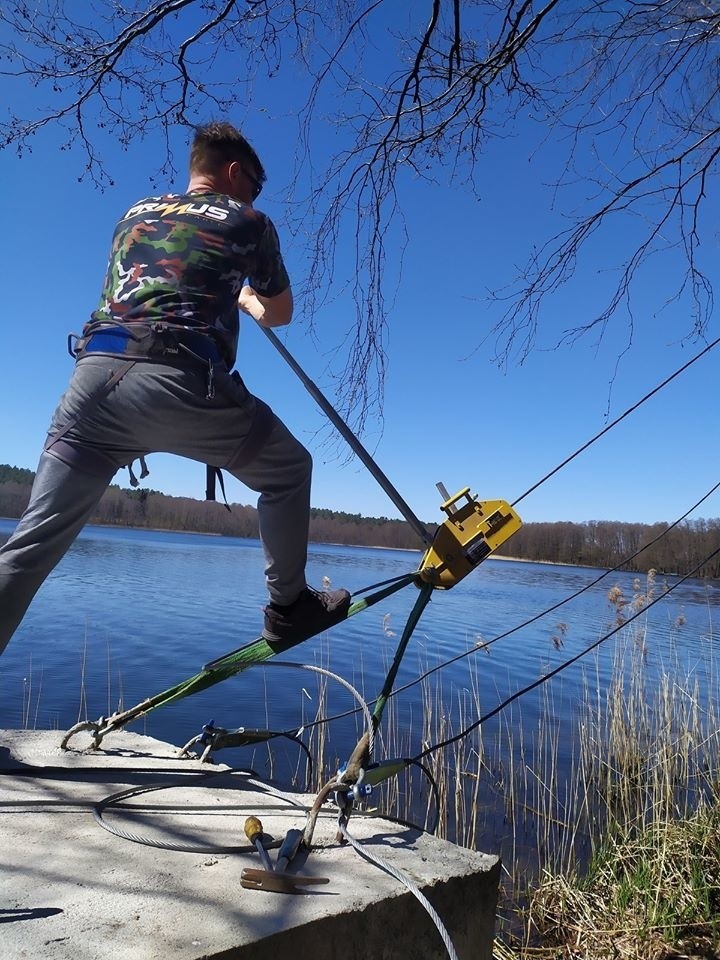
(134, 341)
(84, 458)
(156, 340)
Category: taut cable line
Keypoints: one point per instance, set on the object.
(563, 666)
(526, 623)
(616, 421)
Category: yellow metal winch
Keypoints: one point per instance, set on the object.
(473, 530)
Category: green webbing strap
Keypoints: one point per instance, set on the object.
(238, 660)
(423, 597)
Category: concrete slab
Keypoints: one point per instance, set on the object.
(71, 890)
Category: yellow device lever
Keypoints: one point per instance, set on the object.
(473, 530)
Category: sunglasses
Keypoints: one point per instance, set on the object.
(257, 186)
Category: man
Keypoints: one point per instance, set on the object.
(153, 375)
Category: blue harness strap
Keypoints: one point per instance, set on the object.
(149, 341)
(161, 342)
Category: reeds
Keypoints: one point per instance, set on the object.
(647, 803)
(605, 808)
(648, 895)
(608, 821)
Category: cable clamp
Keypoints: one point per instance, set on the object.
(360, 791)
(357, 791)
(208, 732)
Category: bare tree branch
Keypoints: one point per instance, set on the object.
(634, 85)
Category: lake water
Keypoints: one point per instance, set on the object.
(129, 613)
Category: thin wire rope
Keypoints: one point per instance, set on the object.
(404, 879)
(343, 682)
(560, 603)
(530, 621)
(617, 420)
(194, 779)
(547, 476)
(563, 666)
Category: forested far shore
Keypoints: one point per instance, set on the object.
(593, 543)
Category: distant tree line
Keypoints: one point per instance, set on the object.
(595, 543)
(604, 543)
(151, 509)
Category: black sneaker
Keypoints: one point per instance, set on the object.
(312, 612)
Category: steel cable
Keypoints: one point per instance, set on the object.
(563, 666)
(531, 620)
(341, 680)
(406, 881)
(617, 420)
(194, 780)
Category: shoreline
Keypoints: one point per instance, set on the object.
(365, 546)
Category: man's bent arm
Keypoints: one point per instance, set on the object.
(268, 311)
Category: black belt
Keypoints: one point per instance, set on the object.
(151, 341)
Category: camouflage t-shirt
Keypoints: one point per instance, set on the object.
(184, 258)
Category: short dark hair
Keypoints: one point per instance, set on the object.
(216, 143)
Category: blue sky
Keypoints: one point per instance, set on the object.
(450, 414)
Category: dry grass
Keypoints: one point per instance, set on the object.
(648, 766)
(611, 845)
(650, 896)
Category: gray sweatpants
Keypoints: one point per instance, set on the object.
(156, 407)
